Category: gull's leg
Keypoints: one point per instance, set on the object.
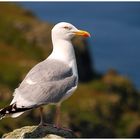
(41, 116)
(42, 123)
(57, 115)
(57, 118)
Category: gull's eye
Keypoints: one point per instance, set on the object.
(66, 27)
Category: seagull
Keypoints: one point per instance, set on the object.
(51, 81)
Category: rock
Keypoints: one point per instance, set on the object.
(39, 132)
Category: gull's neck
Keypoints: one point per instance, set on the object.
(64, 51)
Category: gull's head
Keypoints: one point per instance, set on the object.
(67, 31)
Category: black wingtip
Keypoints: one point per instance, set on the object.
(5, 111)
(10, 110)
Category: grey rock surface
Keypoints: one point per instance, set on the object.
(48, 131)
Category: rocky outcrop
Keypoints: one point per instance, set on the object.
(39, 132)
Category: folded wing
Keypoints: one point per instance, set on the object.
(47, 82)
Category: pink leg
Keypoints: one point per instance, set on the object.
(42, 123)
(57, 119)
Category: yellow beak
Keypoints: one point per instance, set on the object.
(82, 33)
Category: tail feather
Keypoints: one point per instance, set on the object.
(11, 109)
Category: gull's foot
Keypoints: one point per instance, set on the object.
(60, 127)
(43, 124)
(66, 129)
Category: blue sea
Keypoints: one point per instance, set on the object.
(114, 28)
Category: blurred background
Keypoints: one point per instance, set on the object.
(107, 101)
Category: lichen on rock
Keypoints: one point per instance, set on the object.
(48, 131)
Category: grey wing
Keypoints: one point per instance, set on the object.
(47, 82)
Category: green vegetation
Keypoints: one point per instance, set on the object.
(104, 107)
